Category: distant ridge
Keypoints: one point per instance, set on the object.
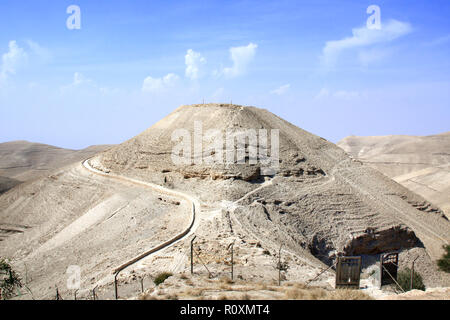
(22, 160)
(420, 163)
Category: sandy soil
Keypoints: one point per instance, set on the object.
(22, 161)
(429, 294)
(78, 218)
(419, 163)
(319, 204)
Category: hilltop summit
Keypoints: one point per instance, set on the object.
(298, 191)
(319, 200)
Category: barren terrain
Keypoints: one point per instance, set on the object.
(421, 164)
(21, 161)
(132, 197)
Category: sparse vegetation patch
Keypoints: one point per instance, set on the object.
(404, 280)
(444, 262)
(9, 280)
(160, 278)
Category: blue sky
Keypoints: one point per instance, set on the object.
(314, 63)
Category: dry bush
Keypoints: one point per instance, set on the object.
(189, 292)
(160, 292)
(225, 287)
(300, 294)
(195, 292)
(298, 285)
(289, 284)
(263, 286)
(276, 288)
(241, 289)
(316, 294)
(347, 294)
(272, 288)
(147, 296)
(305, 294)
(172, 296)
(226, 280)
(245, 296)
(293, 294)
(322, 294)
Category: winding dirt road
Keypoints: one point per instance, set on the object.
(186, 233)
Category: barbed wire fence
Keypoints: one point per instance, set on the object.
(209, 259)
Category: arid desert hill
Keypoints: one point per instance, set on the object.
(319, 200)
(315, 201)
(21, 161)
(420, 163)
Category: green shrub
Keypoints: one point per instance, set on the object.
(160, 278)
(9, 280)
(444, 262)
(404, 280)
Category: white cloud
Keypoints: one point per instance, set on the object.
(368, 56)
(193, 62)
(439, 41)
(157, 84)
(241, 56)
(79, 82)
(83, 85)
(281, 90)
(323, 93)
(340, 94)
(363, 37)
(39, 51)
(346, 95)
(80, 79)
(12, 60)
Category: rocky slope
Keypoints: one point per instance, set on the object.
(318, 202)
(314, 201)
(21, 161)
(420, 163)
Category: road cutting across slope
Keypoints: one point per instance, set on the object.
(189, 230)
